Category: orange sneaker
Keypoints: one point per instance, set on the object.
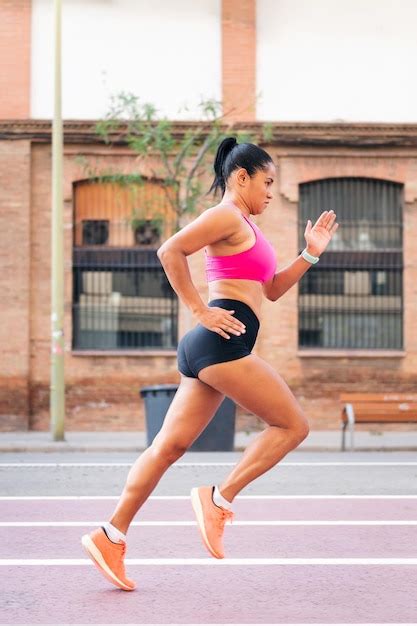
(210, 519)
(108, 557)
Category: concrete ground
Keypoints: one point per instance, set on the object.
(133, 441)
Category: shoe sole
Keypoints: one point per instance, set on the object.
(198, 510)
(98, 560)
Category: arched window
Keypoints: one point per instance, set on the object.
(121, 296)
(353, 297)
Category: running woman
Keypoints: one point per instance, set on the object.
(215, 357)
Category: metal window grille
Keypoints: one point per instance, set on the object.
(122, 298)
(353, 297)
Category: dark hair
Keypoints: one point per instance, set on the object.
(231, 155)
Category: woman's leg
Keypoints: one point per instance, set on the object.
(253, 384)
(191, 409)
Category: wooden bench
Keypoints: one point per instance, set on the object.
(373, 408)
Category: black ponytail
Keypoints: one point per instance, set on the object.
(230, 156)
(223, 151)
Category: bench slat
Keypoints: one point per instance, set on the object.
(392, 407)
(388, 418)
(378, 397)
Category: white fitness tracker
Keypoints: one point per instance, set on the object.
(309, 257)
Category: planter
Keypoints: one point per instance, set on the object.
(218, 436)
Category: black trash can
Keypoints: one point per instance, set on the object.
(219, 434)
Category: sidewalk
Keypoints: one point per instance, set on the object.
(134, 441)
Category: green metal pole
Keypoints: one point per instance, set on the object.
(57, 388)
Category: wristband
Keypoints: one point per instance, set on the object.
(309, 257)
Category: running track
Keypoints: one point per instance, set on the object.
(290, 559)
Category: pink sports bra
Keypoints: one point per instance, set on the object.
(257, 263)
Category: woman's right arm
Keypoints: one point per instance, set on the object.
(212, 225)
(177, 270)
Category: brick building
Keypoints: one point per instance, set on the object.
(342, 138)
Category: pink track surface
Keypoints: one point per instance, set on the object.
(176, 510)
(241, 541)
(218, 592)
(215, 594)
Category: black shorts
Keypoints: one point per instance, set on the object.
(200, 347)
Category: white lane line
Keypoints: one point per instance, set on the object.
(235, 523)
(252, 497)
(220, 464)
(212, 561)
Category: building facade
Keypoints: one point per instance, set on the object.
(342, 137)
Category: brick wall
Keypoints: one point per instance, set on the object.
(15, 263)
(15, 42)
(239, 59)
(102, 391)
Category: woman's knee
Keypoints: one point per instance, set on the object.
(300, 430)
(168, 450)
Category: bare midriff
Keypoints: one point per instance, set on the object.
(247, 291)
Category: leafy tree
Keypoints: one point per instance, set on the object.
(184, 151)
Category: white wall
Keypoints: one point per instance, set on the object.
(326, 60)
(165, 51)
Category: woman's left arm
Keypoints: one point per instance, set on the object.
(317, 238)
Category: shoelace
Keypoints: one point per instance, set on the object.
(225, 514)
(122, 551)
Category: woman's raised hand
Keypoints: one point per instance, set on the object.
(220, 320)
(319, 235)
